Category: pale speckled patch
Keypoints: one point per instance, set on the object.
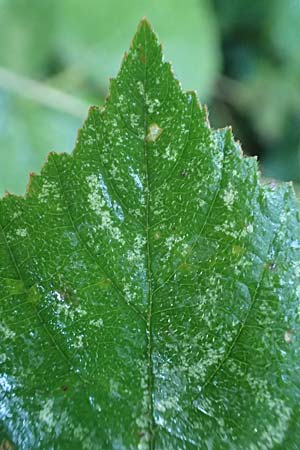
(98, 323)
(6, 332)
(46, 414)
(22, 232)
(99, 202)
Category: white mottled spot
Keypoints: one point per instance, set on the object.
(288, 336)
(273, 432)
(249, 228)
(3, 358)
(170, 154)
(228, 198)
(167, 403)
(143, 420)
(136, 178)
(79, 343)
(113, 170)
(171, 241)
(296, 266)
(95, 198)
(154, 131)
(22, 232)
(94, 404)
(283, 218)
(59, 296)
(6, 332)
(129, 293)
(46, 414)
(141, 88)
(136, 255)
(134, 120)
(65, 309)
(295, 244)
(97, 323)
(152, 104)
(144, 442)
(48, 188)
(100, 203)
(81, 312)
(79, 432)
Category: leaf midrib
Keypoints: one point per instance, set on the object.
(149, 334)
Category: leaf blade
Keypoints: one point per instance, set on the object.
(140, 270)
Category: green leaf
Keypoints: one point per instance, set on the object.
(149, 284)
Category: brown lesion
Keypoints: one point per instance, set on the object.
(154, 132)
(142, 55)
(288, 336)
(185, 267)
(68, 295)
(271, 265)
(6, 445)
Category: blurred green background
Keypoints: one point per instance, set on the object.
(56, 56)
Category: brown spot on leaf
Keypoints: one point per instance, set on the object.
(142, 55)
(271, 266)
(288, 336)
(6, 445)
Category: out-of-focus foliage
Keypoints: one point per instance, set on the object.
(260, 43)
(76, 46)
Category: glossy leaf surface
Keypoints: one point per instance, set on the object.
(149, 284)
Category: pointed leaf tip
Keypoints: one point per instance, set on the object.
(144, 23)
(145, 34)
